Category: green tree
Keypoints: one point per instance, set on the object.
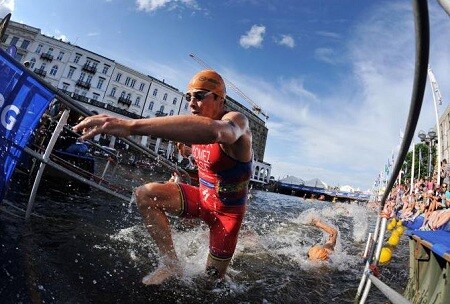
(421, 149)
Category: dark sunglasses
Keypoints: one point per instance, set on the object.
(199, 95)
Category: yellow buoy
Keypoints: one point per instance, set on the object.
(391, 225)
(399, 230)
(399, 223)
(394, 239)
(385, 255)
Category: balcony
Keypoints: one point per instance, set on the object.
(89, 68)
(80, 98)
(40, 72)
(83, 84)
(68, 93)
(124, 101)
(46, 56)
(160, 114)
(97, 103)
(122, 112)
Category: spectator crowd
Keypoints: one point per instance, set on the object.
(427, 202)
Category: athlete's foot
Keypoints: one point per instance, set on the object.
(161, 274)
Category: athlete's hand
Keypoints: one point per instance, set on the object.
(98, 124)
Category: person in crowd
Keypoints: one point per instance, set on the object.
(431, 204)
(438, 219)
(186, 152)
(222, 147)
(322, 252)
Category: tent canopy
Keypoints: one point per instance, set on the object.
(315, 182)
(292, 180)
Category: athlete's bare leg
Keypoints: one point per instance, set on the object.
(153, 201)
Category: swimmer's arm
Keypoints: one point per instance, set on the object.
(328, 229)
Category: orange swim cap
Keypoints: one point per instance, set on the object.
(208, 80)
(318, 253)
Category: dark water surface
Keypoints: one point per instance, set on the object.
(93, 248)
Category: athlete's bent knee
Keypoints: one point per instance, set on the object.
(145, 197)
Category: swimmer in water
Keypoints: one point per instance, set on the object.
(322, 252)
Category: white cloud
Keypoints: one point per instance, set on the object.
(58, 35)
(326, 55)
(287, 40)
(328, 34)
(6, 7)
(347, 135)
(254, 37)
(153, 5)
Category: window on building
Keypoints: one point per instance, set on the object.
(174, 101)
(133, 82)
(186, 105)
(100, 83)
(138, 100)
(77, 58)
(89, 79)
(82, 75)
(83, 93)
(150, 106)
(155, 92)
(39, 48)
(113, 92)
(5, 36)
(127, 81)
(95, 96)
(105, 69)
(60, 55)
(54, 70)
(77, 91)
(88, 61)
(50, 51)
(65, 86)
(141, 87)
(128, 96)
(25, 44)
(165, 97)
(122, 94)
(71, 71)
(32, 63)
(118, 76)
(14, 40)
(171, 112)
(161, 109)
(43, 65)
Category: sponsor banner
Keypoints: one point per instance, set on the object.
(23, 100)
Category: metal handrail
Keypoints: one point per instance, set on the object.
(73, 105)
(422, 34)
(45, 158)
(68, 101)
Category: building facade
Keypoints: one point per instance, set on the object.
(444, 126)
(103, 85)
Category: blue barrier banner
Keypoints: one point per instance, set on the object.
(23, 100)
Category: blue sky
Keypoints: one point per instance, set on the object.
(335, 77)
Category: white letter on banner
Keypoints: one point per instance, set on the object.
(11, 119)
